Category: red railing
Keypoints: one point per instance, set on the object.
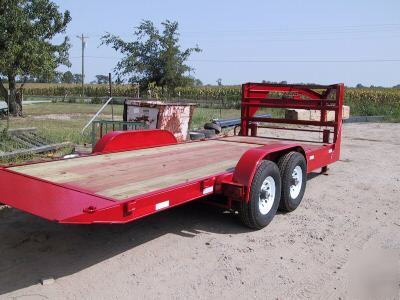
(324, 98)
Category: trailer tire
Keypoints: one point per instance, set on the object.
(293, 169)
(213, 126)
(265, 193)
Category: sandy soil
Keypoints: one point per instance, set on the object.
(342, 242)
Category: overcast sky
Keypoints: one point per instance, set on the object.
(297, 41)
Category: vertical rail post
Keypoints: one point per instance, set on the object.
(325, 135)
(243, 112)
(253, 129)
(110, 95)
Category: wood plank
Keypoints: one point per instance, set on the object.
(153, 166)
(132, 189)
(126, 174)
(55, 167)
(112, 172)
(42, 169)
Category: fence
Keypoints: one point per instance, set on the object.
(102, 127)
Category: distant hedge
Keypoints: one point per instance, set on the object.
(364, 101)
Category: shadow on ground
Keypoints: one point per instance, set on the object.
(44, 249)
(32, 248)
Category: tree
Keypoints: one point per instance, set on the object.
(28, 79)
(119, 81)
(67, 77)
(27, 29)
(219, 82)
(359, 86)
(198, 82)
(153, 56)
(77, 78)
(102, 79)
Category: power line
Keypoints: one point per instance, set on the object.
(283, 39)
(297, 30)
(296, 61)
(371, 60)
(268, 40)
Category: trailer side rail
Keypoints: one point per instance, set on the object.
(309, 97)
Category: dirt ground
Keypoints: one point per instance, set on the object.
(343, 242)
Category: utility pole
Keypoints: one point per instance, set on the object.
(83, 40)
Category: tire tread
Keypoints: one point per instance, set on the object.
(283, 164)
(247, 214)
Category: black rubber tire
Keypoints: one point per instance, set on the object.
(213, 126)
(194, 135)
(286, 165)
(208, 133)
(249, 211)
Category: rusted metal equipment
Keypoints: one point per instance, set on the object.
(175, 117)
(133, 174)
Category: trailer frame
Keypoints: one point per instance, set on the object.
(65, 203)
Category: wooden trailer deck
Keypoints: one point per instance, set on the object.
(126, 174)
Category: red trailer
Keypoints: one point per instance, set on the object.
(133, 174)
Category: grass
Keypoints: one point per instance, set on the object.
(64, 121)
(391, 111)
(61, 122)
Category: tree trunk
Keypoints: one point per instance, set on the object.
(15, 98)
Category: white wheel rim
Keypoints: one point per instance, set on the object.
(297, 181)
(267, 195)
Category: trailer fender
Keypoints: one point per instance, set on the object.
(133, 140)
(250, 160)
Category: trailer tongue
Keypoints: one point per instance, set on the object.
(132, 174)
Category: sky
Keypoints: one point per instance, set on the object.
(316, 41)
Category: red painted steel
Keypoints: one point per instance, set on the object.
(256, 95)
(46, 199)
(131, 140)
(67, 204)
(248, 163)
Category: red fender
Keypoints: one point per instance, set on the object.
(132, 140)
(250, 160)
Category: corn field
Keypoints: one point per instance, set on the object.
(365, 101)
